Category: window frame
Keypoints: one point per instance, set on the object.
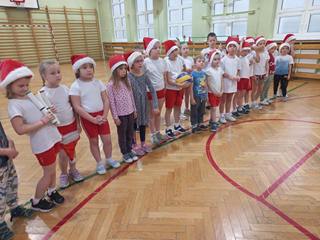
(228, 19)
(147, 25)
(180, 23)
(121, 28)
(305, 12)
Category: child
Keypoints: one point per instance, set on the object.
(284, 63)
(231, 66)
(215, 86)
(122, 105)
(271, 48)
(289, 38)
(211, 41)
(243, 84)
(9, 185)
(220, 48)
(189, 63)
(198, 95)
(174, 92)
(261, 70)
(69, 124)
(89, 99)
(156, 69)
(139, 48)
(26, 118)
(139, 82)
(250, 57)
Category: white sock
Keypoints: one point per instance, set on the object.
(168, 128)
(246, 103)
(221, 114)
(157, 132)
(50, 190)
(35, 201)
(194, 126)
(101, 163)
(176, 125)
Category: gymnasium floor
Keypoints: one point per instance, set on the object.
(257, 178)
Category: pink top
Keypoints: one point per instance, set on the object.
(121, 100)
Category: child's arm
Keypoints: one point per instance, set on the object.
(133, 104)
(257, 57)
(238, 75)
(76, 104)
(192, 101)
(267, 68)
(154, 96)
(106, 106)
(165, 77)
(220, 95)
(211, 89)
(113, 105)
(184, 68)
(292, 51)
(225, 75)
(10, 151)
(290, 69)
(22, 128)
(240, 47)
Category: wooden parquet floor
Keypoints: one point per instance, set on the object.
(257, 178)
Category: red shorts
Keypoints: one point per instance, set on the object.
(93, 130)
(243, 84)
(174, 98)
(160, 94)
(250, 81)
(213, 100)
(69, 148)
(48, 157)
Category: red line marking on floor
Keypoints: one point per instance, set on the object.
(289, 172)
(258, 198)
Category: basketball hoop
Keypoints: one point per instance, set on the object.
(19, 3)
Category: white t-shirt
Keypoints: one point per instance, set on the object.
(230, 66)
(260, 67)
(207, 63)
(90, 94)
(44, 138)
(155, 70)
(250, 57)
(215, 78)
(59, 98)
(245, 68)
(174, 67)
(188, 62)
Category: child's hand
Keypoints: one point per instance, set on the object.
(185, 84)
(53, 109)
(103, 120)
(267, 75)
(237, 78)
(79, 128)
(156, 112)
(288, 77)
(193, 102)
(48, 117)
(11, 153)
(216, 94)
(97, 120)
(117, 122)
(220, 94)
(135, 115)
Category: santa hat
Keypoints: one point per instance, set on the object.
(78, 60)
(130, 57)
(259, 39)
(284, 44)
(246, 46)
(148, 44)
(270, 44)
(249, 39)
(232, 40)
(289, 37)
(212, 54)
(170, 45)
(116, 61)
(11, 71)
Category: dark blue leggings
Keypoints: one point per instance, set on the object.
(142, 129)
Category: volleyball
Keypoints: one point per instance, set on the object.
(183, 77)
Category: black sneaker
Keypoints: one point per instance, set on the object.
(216, 124)
(213, 128)
(211, 122)
(208, 107)
(170, 134)
(196, 130)
(179, 129)
(240, 111)
(43, 205)
(236, 114)
(244, 111)
(5, 232)
(203, 127)
(56, 197)
(21, 212)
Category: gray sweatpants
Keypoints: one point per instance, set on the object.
(198, 110)
(264, 93)
(125, 133)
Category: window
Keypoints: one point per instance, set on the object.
(119, 20)
(300, 17)
(179, 18)
(224, 26)
(145, 19)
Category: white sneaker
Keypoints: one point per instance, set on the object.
(279, 94)
(113, 163)
(264, 102)
(183, 117)
(222, 119)
(257, 106)
(230, 118)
